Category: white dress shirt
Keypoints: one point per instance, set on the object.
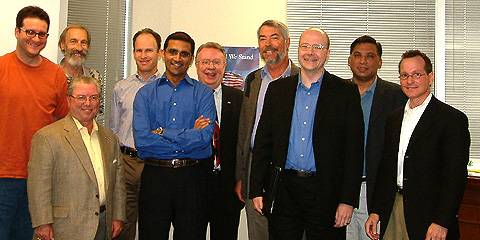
(95, 153)
(411, 116)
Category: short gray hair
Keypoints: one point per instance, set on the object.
(85, 80)
(276, 24)
(213, 45)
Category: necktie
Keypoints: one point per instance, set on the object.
(216, 146)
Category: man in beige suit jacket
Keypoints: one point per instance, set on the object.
(76, 184)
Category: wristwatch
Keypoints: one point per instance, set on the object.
(160, 131)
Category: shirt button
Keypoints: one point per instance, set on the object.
(176, 151)
(303, 139)
(306, 107)
(174, 89)
(304, 123)
(308, 93)
(174, 104)
(173, 119)
(301, 155)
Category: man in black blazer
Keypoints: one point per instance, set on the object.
(379, 99)
(223, 205)
(423, 172)
(311, 128)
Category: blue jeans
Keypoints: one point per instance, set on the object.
(15, 222)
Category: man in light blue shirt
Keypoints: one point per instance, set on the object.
(146, 51)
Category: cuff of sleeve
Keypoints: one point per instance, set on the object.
(170, 133)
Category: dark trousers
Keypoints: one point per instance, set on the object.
(133, 172)
(172, 196)
(298, 210)
(223, 209)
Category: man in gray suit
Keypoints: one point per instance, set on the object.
(378, 98)
(273, 43)
(76, 184)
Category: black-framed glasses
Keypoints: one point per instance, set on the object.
(174, 52)
(405, 76)
(206, 62)
(83, 98)
(32, 34)
(307, 46)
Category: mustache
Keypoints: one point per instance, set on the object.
(269, 48)
(82, 52)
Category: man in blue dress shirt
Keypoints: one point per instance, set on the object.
(312, 129)
(172, 132)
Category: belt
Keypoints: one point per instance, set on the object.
(129, 151)
(102, 208)
(172, 163)
(301, 173)
(400, 190)
(215, 172)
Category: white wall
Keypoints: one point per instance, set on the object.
(228, 22)
(8, 13)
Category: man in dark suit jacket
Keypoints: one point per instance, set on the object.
(223, 205)
(423, 172)
(311, 128)
(379, 99)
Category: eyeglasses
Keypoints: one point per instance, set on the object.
(32, 34)
(405, 76)
(316, 47)
(174, 52)
(83, 98)
(206, 62)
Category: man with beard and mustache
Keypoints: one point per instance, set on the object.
(273, 43)
(74, 43)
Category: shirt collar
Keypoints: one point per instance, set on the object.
(218, 89)
(371, 89)
(318, 81)
(151, 79)
(186, 78)
(418, 108)
(286, 73)
(80, 126)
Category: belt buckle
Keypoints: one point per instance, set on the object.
(175, 163)
(301, 173)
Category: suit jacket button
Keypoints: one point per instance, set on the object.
(406, 156)
(96, 214)
(97, 196)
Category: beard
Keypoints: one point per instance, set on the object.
(76, 61)
(278, 58)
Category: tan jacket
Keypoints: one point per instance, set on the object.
(62, 187)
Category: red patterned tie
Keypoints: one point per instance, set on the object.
(216, 145)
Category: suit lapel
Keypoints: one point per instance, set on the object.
(75, 139)
(378, 103)
(226, 105)
(426, 120)
(325, 97)
(104, 146)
